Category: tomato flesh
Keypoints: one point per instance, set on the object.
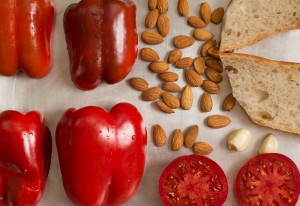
(193, 180)
(268, 180)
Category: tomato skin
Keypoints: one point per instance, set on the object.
(271, 169)
(195, 180)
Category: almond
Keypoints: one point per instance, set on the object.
(202, 148)
(171, 87)
(163, 25)
(183, 41)
(184, 63)
(170, 100)
(218, 121)
(217, 15)
(214, 53)
(213, 75)
(163, 107)
(138, 83)
(205, 12)
(210, 87)
(206, 102)
(193, 78)
(149, 55)
(186, 100)
(151, 18)
(229, 102)
(174, 56)
(168, 76)
(159, 135)
(177, 140)
(151, 94)
(158, 67)
(199, 65)
(214, 64)
(183, 7)
(151, 37)
(196, 22)
(203, 35)
(206, 46)
(162, 6)
(152, 4)
(191, 136)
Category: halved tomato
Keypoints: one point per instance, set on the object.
(193, 180)
(268, 179)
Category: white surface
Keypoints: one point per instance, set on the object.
(56, 93)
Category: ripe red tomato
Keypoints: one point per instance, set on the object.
(268, 179)
(193, 180)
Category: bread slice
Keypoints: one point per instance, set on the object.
(249, 21)
(268, 90)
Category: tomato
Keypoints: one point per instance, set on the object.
(268, 179)
(193, 180)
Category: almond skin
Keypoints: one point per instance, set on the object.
(138, 83)
(205, 12)
(218, 121)
(159, 135)
(193, 78)
(183, 41)
(162, 6)
(186, 101)
(151, 94)
(184, 63)
(152, 4)
(151, 18)
(168, 76)
(213, 75)
(170, 100)
(210, 87)
(171, 87)
(163, 25)
(151, 37)
(214, 53)
(202, 148)
(183, 7)
(203, 35)
(217, 15)
(196, 22)
(214, 64)
(199, 65)
(163, 107)
(148, 54)
(174, 56)
(191, 136)
(206, 46)
(206, 102)
(158, 67)
(229, 102)
(177, 140)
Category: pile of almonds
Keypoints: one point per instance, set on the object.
(207, 64)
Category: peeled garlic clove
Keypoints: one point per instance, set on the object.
(239, 140)
(269, 145)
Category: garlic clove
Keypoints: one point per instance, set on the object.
(239, 140)
(269, 145)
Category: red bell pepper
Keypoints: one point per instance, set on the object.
(25, 37)
(102, 41)
(101, 154)
(25, 155)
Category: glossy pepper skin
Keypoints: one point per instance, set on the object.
(102, 41)
(25, 155)
(25, 36)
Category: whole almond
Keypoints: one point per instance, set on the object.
(203, 35)
(162, 6)
(186, 101)
(229, 102)
(202, 148)
(168, 76)
(210, 87)
(152, 4)
(171, 87)
(191, 136)
(193, 78)
(183, 41)
(214, 64)
(205, 12)
(183, 7)
(184, 63)
(217, 15)
(206, 46)
(163, 107)
(149, 55)
(151, 94)
(214, 53)
(138, 83)
(159, 135)
(213, 75)
(174, 56)
(177, 140)
(171, 100)
(158, 67)
(151, 37)
(218, 121)
(206, 102)
(199, 65)
(151, 18)
(196, 22)
(163, 25)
